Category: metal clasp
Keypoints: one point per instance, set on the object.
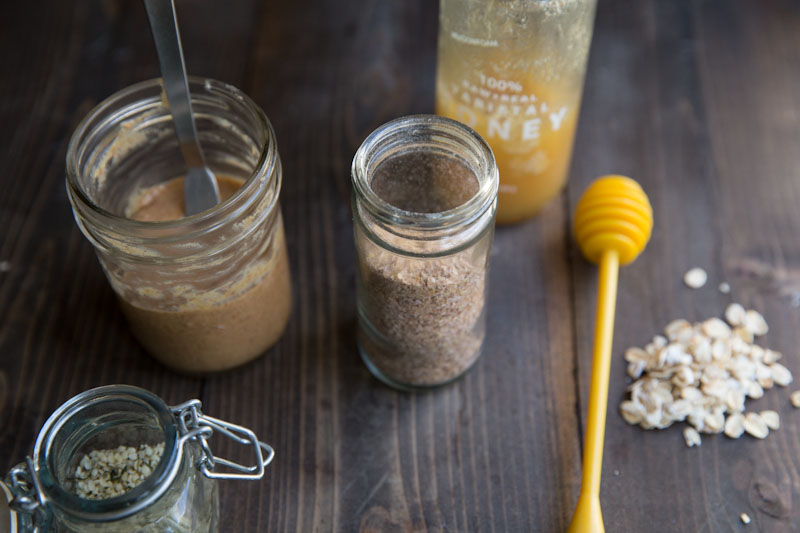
(25, 485)
(195, 426)
(27, 499)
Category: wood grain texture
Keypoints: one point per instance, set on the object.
(696, 99)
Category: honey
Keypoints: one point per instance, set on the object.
(513, 71)
(532, 145)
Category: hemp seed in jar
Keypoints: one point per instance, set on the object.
(117, 459)
(202, 293)
(424, 200)
(103, 474)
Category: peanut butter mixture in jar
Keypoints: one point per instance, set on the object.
(202, 293)
(209, 329)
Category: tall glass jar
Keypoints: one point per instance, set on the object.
(424, 201)
(513, 70)
(178, 495)
(201, 293)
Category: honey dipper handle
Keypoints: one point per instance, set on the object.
(588, 517)
(601, 366)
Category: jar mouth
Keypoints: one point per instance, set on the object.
(428, 130)
(83, 419)
(143, 104)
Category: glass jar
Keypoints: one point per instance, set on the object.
(424, 202)
(179, 495)
(514, 70)
(202, 293)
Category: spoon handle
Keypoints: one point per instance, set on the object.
(164, 25)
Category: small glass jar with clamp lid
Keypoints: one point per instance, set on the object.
(64, 487)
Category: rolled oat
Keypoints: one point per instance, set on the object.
(795, 399)
(703, 374)
(695, 278)
(756, 426)
(692, 437)
(734, 425)
(771, 418)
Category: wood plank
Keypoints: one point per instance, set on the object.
(750, 67)
(61, 331)
(353, 454)
(696, 99)
(686, 99)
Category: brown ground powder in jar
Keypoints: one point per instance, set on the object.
(213, 330)
(422, 182)
(427, 309)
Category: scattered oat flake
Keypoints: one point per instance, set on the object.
(702, 374)
(795, 399)
(745, 518)
(716, 328)
(735, 314)
(692, 437)
(771, 357)
(780, 374)
(725, 287)
(754, 321)
(679, 330)
(634, 355)
(734, 425)
(756, 426)
(771, 418)
(755, 390)
(695, 278)
(636, 368)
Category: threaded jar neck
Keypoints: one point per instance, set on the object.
(434, 232)
(129, 141)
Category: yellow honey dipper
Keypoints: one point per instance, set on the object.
(612, 226)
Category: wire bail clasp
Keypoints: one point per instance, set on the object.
(195, 426)
(26, 498)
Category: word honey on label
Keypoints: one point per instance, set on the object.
(513, 71)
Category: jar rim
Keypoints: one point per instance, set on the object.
(459, 216)
(132, 501)
(105, 112)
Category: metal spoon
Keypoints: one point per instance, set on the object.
(200, 186)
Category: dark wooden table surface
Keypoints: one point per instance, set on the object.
(698, 100)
